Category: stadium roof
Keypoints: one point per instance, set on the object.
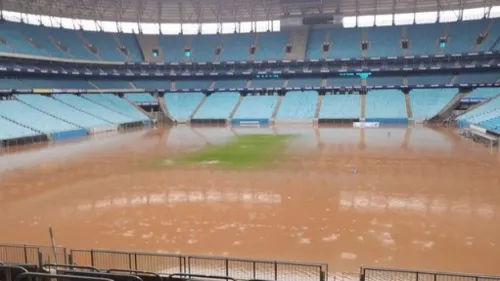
(206, 11)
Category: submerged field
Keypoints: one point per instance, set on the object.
(243, 151)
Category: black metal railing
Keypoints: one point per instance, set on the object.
(155, 266)
(204, 265)
(391, 274)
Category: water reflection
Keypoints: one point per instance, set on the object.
(178, 197)
(381, 203)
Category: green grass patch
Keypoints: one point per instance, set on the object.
(241, 151)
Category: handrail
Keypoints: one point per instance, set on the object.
(135, 271)
(201, 276)
(70, 266)
(59, 276)
(14, 267)
(105, 274)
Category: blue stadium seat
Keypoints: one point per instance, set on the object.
(218, 105)
(386, 104)
(271, 46)
(233, 83)
(482, 113)
(152, 84)
(32, 118)
(129, 41)
(181, 105)
(106, 45)
(111, 84)
(192, 84)
(173, 47)
(483, 93)
(486, 77)
(72, 41)
(94, 109)
(304, 82)
(428, 79)
(298, 105)
(11, 130)
(343, 81)
(424, 38)
(384, 81)
(462, 36)
(427, 103)
(139, 98)
(384, 41)
(340, 107)
(63, 111)
(256, 107)
(266, 83)
(235, 47)
(6, 83)
(315, 43)
(118, 105)
(56, 84)
(346, 43)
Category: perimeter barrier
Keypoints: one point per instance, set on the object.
(165, 265)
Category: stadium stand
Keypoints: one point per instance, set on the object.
(118, 105)
(11, 130)
(111, 84)
(383, 81)
(345, 43)
(234, 83)
(94, 109)
(173, 47)
(384, 41)
(192, 84)
(427, 103)
(235, 47)
(181, 105)
(152, 84)
(7, 83)
(315, 44)
(202, 46)
(424, 38)
(462, 36)
(482, 113)
(492, 34)
(266, 83)
(343, 81)
(37, 39)
(271, 45)
(217, 106)
(386, 106)
(340, 107)
(43, 83)
(483, 93)
(425, 79)
(488, 77)
(492, 124)
(38, 121)
(65, 112)
(104, 44)
(140, 98)
(304, 82)
(256, 108)
(298, 105)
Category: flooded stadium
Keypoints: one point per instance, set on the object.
(392, 197)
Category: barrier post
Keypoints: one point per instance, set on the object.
(275, 270)
(92, 257)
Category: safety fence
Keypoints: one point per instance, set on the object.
(237, 268)
(390, 274)
(243, 269)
